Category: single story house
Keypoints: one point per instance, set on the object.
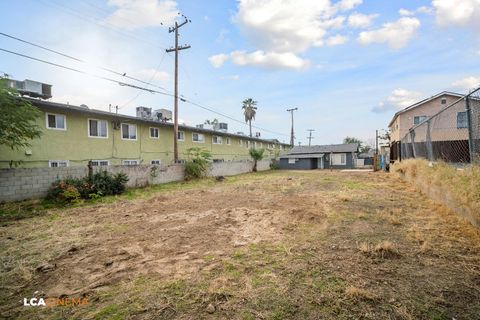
(334, 156)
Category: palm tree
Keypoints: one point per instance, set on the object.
(249, 111)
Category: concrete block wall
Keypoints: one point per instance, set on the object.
(30, 183)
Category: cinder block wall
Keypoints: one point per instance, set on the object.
(30, 183)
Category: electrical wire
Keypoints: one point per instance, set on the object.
(79, 60)
(183, 99)
(84, 72)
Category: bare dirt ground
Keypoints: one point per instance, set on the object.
(272, 245)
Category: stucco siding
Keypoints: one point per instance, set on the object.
(75, 145)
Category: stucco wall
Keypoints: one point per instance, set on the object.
(29, 183)
(74, 144)
(448, 120)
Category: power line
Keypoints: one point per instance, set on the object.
(83, 72)
(104, 24)
(149, 81)
(183, 99)
(79, 60)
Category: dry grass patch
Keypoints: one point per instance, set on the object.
(356, 293)
(459, 189)
(383, 249)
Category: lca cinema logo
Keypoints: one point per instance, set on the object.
(55, 302)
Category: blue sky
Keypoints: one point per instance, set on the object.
(347, 65)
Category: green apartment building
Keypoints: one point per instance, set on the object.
(75, 135)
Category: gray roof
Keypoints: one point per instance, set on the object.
(302, 156)
(59, 107)
(348, 147)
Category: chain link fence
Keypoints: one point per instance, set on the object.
(452, 135)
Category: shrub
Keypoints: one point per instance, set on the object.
(71, 190)
(256, 154)
(197, 164)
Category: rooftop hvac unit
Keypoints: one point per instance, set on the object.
(162, 115)
(200, 126)
(32, 88)
(222, 126)
(144, 112)
(240, 133)
(257, 134)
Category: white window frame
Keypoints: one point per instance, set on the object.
(292, 160)
(219, 138)
(337, 159)
(129, 124)
(183, 134)
(150, 133)
(228, 140)
(154, 161)
(50, 162)
(130, 162)
(424, 117)
(88, 128)
(199, 134)
(56, 115)
(98, 163)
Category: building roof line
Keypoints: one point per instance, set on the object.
(86, 110)
(417, 104)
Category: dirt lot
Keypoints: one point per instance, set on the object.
(272, 245)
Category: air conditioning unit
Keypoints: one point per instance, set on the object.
(222, 126)
(32, 88)
(240, 133)
(200, 126)
(257, 134)
(144, 113)
(162, 115)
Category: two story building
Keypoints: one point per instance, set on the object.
(450, 127)
(75, 135)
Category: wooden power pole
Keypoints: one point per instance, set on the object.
(292, 134)
(310, 137)
(175, 102)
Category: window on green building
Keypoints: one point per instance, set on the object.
(129, 131)
(97, 128)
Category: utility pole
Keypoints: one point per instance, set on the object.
(292, 135)
(175, 102)
(310, 137)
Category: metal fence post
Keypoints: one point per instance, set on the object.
(412, 137)
(470, 130)
(429, 142)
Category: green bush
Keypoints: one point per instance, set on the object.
(71, 190)
(197, 164)
(257, 155)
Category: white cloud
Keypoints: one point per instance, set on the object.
(154, 75)
(283, 29)
(467, 83)
(398, 99)
(458, 12)
(395, 34)
(336, 40)
(409, 13)
(134, 14)
(348, 4)
(360, 20)
(271, 60)
(218, 60)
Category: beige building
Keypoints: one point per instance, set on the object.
(448, 124)
(415, 114)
